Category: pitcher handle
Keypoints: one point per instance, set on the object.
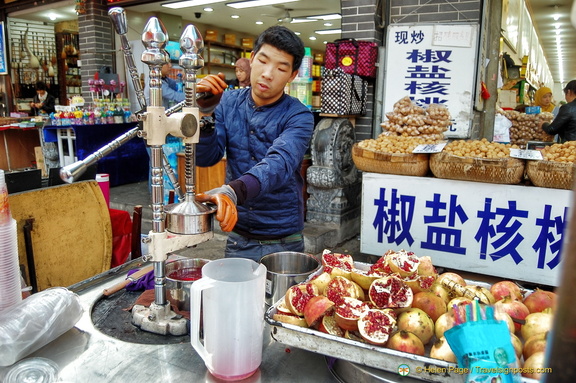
(195, 304)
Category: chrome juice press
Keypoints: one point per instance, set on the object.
(186, 223)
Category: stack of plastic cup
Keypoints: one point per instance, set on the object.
(10, 283)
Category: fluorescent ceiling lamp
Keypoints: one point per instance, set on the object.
(328, 31)
(330, 16)
(298, 21)
(190, 3)
(256, 3)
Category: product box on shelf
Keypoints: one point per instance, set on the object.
(211, 35)
(229, 38)
(247, 42)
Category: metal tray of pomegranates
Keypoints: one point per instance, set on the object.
(350, 345)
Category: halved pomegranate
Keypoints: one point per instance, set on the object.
(381, 265)
(290, 319)
(337, 264)
(316, 308)
(403, 263)
(328, 325)
(375, 326)
(365, 278)
(298, 295)
(419, 283)
(340, 287)
(347, 313)
(390, 291)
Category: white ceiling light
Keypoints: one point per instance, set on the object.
(256, 3)
(190, 3)
(330, 16)
(208, 9)
(235, 16)
(328, 31)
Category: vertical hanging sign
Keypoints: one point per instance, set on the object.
(433, 64)
(3, 64)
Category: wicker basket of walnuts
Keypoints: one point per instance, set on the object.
(478, 160)
(526, 127)
(557, 168)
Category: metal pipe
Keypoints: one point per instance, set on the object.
(118, 18)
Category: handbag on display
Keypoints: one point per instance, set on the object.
(356, 57)
(343, 93)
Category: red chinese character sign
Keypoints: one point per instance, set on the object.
(434, 64)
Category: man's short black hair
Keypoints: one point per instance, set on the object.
(41, 85)
(283, 39)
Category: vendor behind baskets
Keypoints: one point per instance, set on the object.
(564, 124)
(264, 134)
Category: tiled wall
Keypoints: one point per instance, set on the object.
(97, 40)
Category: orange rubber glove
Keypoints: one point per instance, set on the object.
(215, 86)
(224, 198)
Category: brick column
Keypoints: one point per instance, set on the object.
(96, 35)
(359, 22)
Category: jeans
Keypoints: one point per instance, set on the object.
(238, 246)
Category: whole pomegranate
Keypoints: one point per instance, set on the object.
(503, 289)
(390, 291)
(444, 323)
(536, 323)
(516, 309)
(441, 291)
(430, 303)
(540, 300)
(407, 342)
(534, 344)
(517, 344)
(417, 322)
(441, 350)
(375, 326)
(533, 365)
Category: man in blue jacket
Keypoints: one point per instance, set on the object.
(264, 134)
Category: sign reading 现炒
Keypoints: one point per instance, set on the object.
(433, 64)
(509, 231)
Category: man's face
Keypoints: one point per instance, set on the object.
(271, 70)
(166, 69)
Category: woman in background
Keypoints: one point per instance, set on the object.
(543, 99)
(242, 79)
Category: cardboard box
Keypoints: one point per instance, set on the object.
(211, 35)
(248, 43)
(508, 98)
(229, 38)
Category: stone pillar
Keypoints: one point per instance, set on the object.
(334, 185)
(96, 35)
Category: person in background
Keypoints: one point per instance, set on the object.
(543, 99)
(170, 94)
(564, 124)
(264, 134)
(43, 102)
(242, 70)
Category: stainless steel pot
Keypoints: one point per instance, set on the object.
(285, 269)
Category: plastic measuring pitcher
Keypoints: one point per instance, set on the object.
(231, 294)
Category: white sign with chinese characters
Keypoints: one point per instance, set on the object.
(509, 231)
(433, 64)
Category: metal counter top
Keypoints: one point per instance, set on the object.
(86, 355)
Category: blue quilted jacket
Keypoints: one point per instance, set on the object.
(269, 143)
